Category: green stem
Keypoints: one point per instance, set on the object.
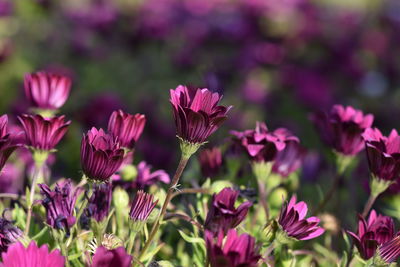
(369, 204)
(36, 174)
(328, 196)
(131, 242)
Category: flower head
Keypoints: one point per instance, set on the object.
(293, 223)
(262, 144)
(197, 114)
(7, 145)
(43, 133)
(142, 206)
(222, 214)
(390, 251)
(371, 234)
(145, 177)
(101, 155)
(32, 256)
(100, 201)
(59, 204)
(110, 258)
(47, 91)
(126, 128)
(235, 251)
(342, 128)
(210, 161)
(9, 234)
(289, 159)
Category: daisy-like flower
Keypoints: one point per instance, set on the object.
(145, 177)
(111, 258)
(9, 234)
(289, 159)
(7, 145)
(142, 206)
(100, 201)
(390, 251)
(210, 161)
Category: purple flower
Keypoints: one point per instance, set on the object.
(43, 133)
(110, 258)
(210, 161)
(32, 256)
(390, 251)
(47, 91)
(289, 159)
(7, 145)
(126, 128)
(222, 214)
(100, 201)
(342, 128)
(383, 154)
(235, 251)
(9, 234)
(371, 234)
(262, 144)
(145, 177)
(59, 205)
(142, 206)
(101, 155)
(196, 112)
(293, 222)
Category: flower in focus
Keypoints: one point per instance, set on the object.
(7, 145)
(390, 251)
(289, 159)
(43, 133)
(110, 258)
(222, 214)
(101, 155)
(234, 251)
(210, 161)
(47, 91)
(371, 234)
(197, 114)
(59, 205)
(142, 206)
(32, 256)
(9, 234)
(292, 221)
(126, 128)
(100, 201)
(261, 144)
(342, 128)
(145, 177)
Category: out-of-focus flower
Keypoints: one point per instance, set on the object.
(43, 133)
(292, 221)
(145, 177)
(289, 159)
(390, 251)
(12, 178)
(371, 234)
(110, 258)
(32, 256)
(7, 145)
(234, 251)
(222, 214)
(210, 161)
(9, 234)
(197, 114)
(100, 201)
(101, 155)
(142, 206)
(126, 128)
(59, 204)
(342, 128)
(47, 91)
(261, 144)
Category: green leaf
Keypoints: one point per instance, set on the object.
(190, 239)
(149, 255)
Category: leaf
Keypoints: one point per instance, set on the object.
(190, 239)
(149, 255)
(343, 261)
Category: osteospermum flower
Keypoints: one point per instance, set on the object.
(210, 161)
(59, 204)
(146, 178)
(197, 113)
(293, 223)
(342, 128)
(289, 159)
(222, 214)
(390, 251)
(371, 234)
(101, 155)
(142, 206)
(110, 258)
(234, 251)
(47, 91)
(9, 234)
(32, 256)
(43, 133)
(126, 128)
(100, 201)
(7, 145)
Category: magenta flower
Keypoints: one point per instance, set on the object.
(262, 144)
(210, 161)
(390, 251)
(289, 159)
(9, 234)
(59, 205)
(222, 214)
(43, 133)
(110, 258)
(126, 128)
(101, 155)
(100, 201)
(371, 234)
(293, 223)
(47, 91)
(142, 206)
(32, 256)
(383, 154)
(234, 251)
(196, 112)
(342, 128)
(7, 145)
(146, 178)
